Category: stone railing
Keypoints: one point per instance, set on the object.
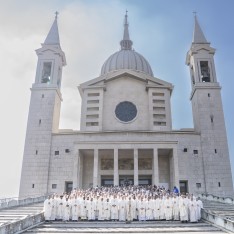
(222, 222)
(22, 225)
(210, 197)
(12, 202)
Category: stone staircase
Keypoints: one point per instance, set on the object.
(221, 209)
(30, 219)
(15, 219)
(121, 227)
(18, 213)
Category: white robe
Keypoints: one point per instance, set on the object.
(162, 209)
(183, 209)
(134, 207)
(129, 210)
(83, 210)
(101, 211)
(47, 209)
(74, 206)
(176, 210)
(199, 207)
(122, 210)
(53, 209)
(148, 210)
(156, 208)
(114, 209)
(141, 210)
(107, 210)
(60, 209)
(91, 208)
(168, 206)
(193, 211)
(67, 208)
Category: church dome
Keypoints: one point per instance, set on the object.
(126, 58)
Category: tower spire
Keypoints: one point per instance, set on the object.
(53, 35)
(126, 43)
(198, 35)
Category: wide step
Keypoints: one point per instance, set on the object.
(15, 214)
(121, 227)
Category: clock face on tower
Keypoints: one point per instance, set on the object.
(126, 111)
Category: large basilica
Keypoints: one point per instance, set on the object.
(126, 134)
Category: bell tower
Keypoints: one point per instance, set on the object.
(44, 114)
(208, 115)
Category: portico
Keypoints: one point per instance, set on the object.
(120, 163)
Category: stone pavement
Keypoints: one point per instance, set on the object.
(121, 227)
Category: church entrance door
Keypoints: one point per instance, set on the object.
(183, 186)
(107, 181)
(126, 180)
(68, 187)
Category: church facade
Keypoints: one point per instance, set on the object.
(126, 134)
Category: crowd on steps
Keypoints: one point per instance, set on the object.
(123, 203)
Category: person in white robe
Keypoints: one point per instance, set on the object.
(114, 209)
(168, 206)
(148, 209)
(67, 209)
(60, 209)
(176, 210)
(151, 203)
(91, 208)
(47, 209)
(129, 209)
(53, 208)
(162, 208)
(187, 199)
(183, 206)
(107, 209)
(199, 207)
(156, 208)
(134, 208)
(83, 210)
(141, 209)
(96, 199)
(74, 208)
(79, 199)
(122, 209)
(57, 198)
(193, 210)
(101, 211)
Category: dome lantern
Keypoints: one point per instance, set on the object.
(126, 58)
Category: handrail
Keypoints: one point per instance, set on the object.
(223, 222)
(211, 197)
(11, 202)
(20, 198)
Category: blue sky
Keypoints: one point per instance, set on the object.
(90, 31)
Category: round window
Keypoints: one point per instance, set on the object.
(126, 111)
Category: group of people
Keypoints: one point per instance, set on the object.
(123, 203)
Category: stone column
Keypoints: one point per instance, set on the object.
(176, 168)
(116, 167)
(155, 167)
(135, 166)
(76, 170)
(95, 168)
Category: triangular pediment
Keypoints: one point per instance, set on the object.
(198, 48)
(148, 80)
